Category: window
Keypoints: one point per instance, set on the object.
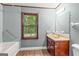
(29, 26)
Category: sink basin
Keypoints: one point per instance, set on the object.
(54, 35)
(57, 37)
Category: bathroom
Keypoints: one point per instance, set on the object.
(59, 18)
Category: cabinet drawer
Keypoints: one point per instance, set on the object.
(61, 43)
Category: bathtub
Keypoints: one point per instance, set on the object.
(9, 48)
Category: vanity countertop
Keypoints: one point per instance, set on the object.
(58, 37)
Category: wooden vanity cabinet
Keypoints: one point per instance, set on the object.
(58, 48)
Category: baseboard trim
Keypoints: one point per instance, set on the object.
(33, 48)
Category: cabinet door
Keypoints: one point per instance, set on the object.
(52, 50)
(62, 48)
(50, 47)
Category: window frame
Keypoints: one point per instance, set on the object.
(22, 25)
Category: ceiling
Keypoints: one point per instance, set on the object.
(43, 5)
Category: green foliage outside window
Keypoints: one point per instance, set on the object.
(30, 24)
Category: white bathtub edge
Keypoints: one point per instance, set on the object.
(12, 50)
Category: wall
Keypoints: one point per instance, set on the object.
(1, 22)
(62, 22)
(46, 23)
(12, 23)
(1, 26)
